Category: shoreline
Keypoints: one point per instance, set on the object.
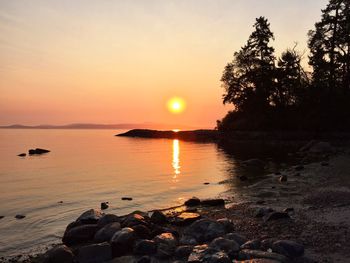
(317, 203)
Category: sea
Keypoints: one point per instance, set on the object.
(87, 167)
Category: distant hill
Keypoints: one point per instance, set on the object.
(103, 126)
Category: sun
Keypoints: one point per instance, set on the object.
(176, 105)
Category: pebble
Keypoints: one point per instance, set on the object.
(127, 198)
(20, 216)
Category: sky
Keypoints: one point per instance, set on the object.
(120, 61)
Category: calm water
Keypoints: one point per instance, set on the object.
(87, 167)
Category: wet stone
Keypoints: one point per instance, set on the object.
(104, 205)
(90, 217)
(79, 234)
(122, 241)
(142, 231)
(107, 232)
(186, 218)
(194, 201)
(166, 245)
(107, 219)
(205, 230)
(22, 155)
(158, 217)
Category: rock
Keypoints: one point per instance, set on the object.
(263, 211)
(324, 164)
(144, 259)
(133, 220)
(186, 218)
(145, 247)
(124, 259)
(257, 260)
(20, 216)
(158, 217)
(187, 240)
(107, 232)
(142, 231)
(226, 245)
(183, 252)
(79, 234)
(239, 239)
(122, 241)
(59, 254)
(95, 253)
(205, 230)
(266, 244)
(206, 183)
(126, 198)
(288, 210)
(37, 151)
(321, 147)
(288, 248)
(299, 168)
(22, 155)
(255, 254)
(1, 217)
(277, 173)
(276, 216)
(198, 254)
(283, 178)
(243, 177)
(166, 245)
(218, 257)
(252, 244)
(194, 201)
(107, 219)
(104, 205)
(227, 223)
(213, 202)
(90, 216)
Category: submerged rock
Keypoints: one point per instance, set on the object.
(20, 216)
(126, 198)
(22, 155)
(59, 254)
(104, 205)
(37, 151)
(95, 253)
(194, 201)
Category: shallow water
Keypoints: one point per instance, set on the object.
(87, 167)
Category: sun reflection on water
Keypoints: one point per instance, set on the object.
(176, 160)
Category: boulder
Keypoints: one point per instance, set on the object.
(158, 217)
(194, 201)
(134, 220)
(94, 253)
(90, 216)
(182, 252)
(107, 219)
(145, 247)
(122, 241)
(255, 254)
(239, 239)
(205, 230)
(143, 232)
(252, 244)
(79, 234)
(186, 218)
(226, 245)
(213, 202)
(107, 232)
(166, 245)
(288, 248)
(59, 254)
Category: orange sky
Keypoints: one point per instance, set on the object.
(120, 61)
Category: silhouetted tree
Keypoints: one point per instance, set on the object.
(248, 80)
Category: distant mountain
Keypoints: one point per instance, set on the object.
(103, 126)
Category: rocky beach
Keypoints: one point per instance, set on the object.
(297, 214)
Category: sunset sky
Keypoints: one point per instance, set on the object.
(104, 61)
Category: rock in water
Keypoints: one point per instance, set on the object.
(107, 219)
(107, 232)
(288, 248)
(95, 253)
(90, 217)
(22, 155)
(126, 198)
(37, 151)
(59, 254)
(79, 234)
(104, 205)
(194, 201)
(122, 242)
(20, 216)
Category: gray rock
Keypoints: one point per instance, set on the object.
(94, 253)
(107, 232)
(240, 240)
(194, 201)
(276, 216)
(263, 211)
(183, 252)
(79, 234)
(122, 241)
(255, 254)
(252, 244)
(107, 219)
(226, 245)
(288, 248)
(205, 230)
(145, 247)
(166, 245)
(59, 254)
(90, 217)
(227, 223)
(158, 217)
